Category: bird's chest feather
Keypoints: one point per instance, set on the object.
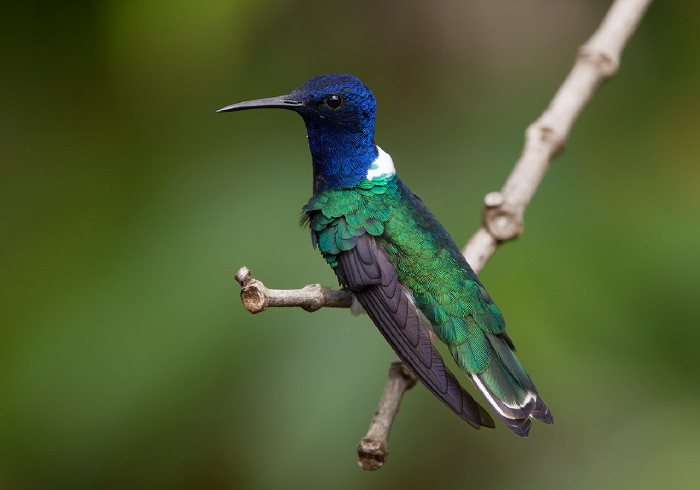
(418, 246)
(338, 217)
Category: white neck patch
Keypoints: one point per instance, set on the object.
(383, 165)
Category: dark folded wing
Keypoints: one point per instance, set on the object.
(367, 271)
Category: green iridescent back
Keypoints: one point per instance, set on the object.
(427, 260)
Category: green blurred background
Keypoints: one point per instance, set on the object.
(127, 204)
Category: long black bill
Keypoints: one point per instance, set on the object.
(281, 102)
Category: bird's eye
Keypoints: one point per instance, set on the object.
(334, 101)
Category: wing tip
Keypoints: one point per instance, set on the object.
(476, 415)
(486, 420)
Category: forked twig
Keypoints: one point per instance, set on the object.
(597, 60)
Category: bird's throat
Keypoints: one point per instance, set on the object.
(340, 159)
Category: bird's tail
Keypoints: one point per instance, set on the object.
(509, 389)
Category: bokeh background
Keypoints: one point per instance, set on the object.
(127, 204)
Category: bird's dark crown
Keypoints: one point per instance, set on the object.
(341, 100)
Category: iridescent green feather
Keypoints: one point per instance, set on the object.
(430, 265)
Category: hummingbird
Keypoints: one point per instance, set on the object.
(402, 266)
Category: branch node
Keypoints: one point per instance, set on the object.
(501, 220)
(545, 138)
(494, 199)
(606, 63)
(317, 300)
(372, 453)
(243, 276)
(254, 296)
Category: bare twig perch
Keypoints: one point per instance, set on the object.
(597, 60)
(374, 447)
(256, 297)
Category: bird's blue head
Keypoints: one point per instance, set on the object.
(339, 114)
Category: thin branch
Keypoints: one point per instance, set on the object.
(597, 60)
(373, 449)
(256, 297)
